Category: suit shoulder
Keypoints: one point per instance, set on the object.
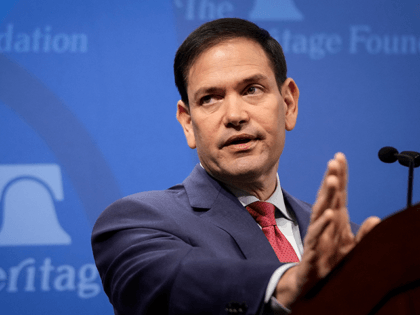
(154, 197)
(149, 205)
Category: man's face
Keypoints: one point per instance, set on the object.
(237, 116)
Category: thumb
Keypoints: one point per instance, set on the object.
(366, 227)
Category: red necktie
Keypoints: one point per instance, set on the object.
(263, 213)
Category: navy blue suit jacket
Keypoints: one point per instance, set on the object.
(191, 249)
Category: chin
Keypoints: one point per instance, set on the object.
(244, 173)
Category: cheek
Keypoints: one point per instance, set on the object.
(276, 133)
(273, 123)
(206, 127)
(202, 137)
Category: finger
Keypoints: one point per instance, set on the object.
(332, 170)
(316, 229)
(325, 196)
(342, 173)
(325, 199)
(340, 198)
(342, 169)
(366, 227)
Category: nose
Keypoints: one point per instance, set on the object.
(235, 112)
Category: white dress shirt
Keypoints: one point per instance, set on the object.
(287, 224)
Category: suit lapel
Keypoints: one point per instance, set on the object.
(224, 210)
(302, 211)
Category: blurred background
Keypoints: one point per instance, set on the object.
(87, 115)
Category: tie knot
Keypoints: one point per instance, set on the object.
(262, 212)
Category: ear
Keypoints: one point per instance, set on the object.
(290, 93)
(184, 118)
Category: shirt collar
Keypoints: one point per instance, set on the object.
(276, 198)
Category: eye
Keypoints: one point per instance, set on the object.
(210, 99)
(206, 99)
(253, 89)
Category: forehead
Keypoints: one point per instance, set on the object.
(227, 59)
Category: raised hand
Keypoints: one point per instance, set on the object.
(329, 237)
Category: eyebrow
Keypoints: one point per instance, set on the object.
(205, 91)
(256, 77)
(213, 89)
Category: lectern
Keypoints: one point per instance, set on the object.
(381, 275)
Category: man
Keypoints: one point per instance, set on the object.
(195, 248)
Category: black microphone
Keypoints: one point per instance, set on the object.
(388, 154)
(410, 159)
(406, 157)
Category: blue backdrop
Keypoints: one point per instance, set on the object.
(87, 115)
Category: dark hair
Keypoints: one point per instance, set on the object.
(217, 31)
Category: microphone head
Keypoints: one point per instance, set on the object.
(388, 154)
(406, 157)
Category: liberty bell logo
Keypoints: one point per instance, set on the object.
(27, 195)
(275, 10)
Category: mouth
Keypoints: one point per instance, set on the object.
(242, 139)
